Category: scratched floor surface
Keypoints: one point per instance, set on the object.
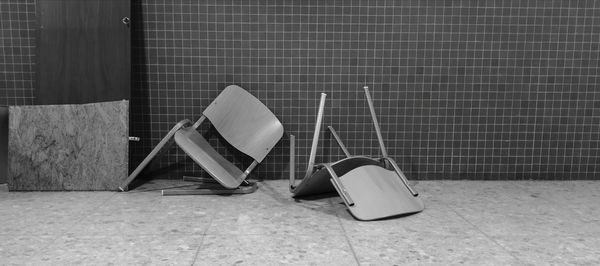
(465, 222)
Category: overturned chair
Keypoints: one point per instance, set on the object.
(243, 121)
(371, 188)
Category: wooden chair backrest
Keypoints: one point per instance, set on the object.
(245, 122)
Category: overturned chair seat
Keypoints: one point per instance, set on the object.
(371, 188)
(243, 121)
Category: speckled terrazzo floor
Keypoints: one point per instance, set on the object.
(465, 222)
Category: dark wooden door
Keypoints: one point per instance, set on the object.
(83, 51)
(3, 143)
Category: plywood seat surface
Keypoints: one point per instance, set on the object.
(198, 148)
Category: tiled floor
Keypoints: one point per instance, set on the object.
(465, 222)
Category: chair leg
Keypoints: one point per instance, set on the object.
(166, 141)
(209, 188)
(339, 141)
(401, 176)
(337, 184)
(198, 179)
(292, 163)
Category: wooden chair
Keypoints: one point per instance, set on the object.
(371, 188)
(243, 121)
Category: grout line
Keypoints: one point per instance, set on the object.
(64, 232)
(87, 213)
(346, 235)
(202, 240)
(485, 234)
(556, 203)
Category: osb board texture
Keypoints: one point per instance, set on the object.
(68, 147)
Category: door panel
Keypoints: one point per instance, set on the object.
(3, 143)
(83, 51)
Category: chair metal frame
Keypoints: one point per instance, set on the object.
(315, 180)
(225, 113)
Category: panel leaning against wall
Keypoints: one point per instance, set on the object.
(68, 147)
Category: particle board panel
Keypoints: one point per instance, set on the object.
(68, 147)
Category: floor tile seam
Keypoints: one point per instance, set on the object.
(346, 237)
(156, 210)
(127, 235)
(280, 213)
(562, 205)
(275, 196)
(558, 203)
(38, 207)
(50, 236)
(403, 234)
(496, 236)
(276, 234)
(164, 234)
(46, 248)
(63, 232)
(85, 214)
(201, 244)
(123, 214)
(150, 214)
(103, 235)
(489, 237)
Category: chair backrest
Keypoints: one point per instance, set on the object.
(245, 122)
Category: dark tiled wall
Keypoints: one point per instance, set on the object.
(17, 64)
(17, 51)
(463, 89)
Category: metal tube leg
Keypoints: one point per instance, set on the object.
(153, 153)
(315, 141)
(339, 141)
(402, 176)
(375, 123)
(337, 184)
(292, 162)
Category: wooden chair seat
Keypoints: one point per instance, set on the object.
(198, 148)
(380, 193)
(318, 182)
